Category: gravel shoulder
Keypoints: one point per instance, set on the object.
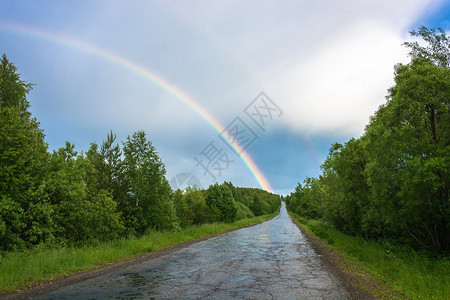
(46, 286)
(359, 283)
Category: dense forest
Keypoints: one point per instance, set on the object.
(392, 183)
(114, 189)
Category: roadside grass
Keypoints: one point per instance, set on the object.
(414, 274)
(21, 269)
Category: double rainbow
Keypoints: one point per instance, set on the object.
(149, 75)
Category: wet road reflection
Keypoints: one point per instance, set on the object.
(271, 260)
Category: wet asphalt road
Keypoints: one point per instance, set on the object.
(271, 260)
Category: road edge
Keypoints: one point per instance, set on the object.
(45, 286)
(359, 283)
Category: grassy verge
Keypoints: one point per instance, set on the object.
(18, 269)
(414, 274)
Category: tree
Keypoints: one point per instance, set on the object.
(191, 207)
(194, 198)
(220, 200)
(11, 225)
(256, 206)
(113, 166)
(23, 156)
(81, 214)
(259, 202)
(409, 154)
(393, 182)
(438, 49)
(184, 217)
(346, 164)
(64, 189)
(13, 91)
(104, 169)
(148, 202)
(243, 212)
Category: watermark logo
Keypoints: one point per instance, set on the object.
(213, 160)
(238, 135)
(183, 180)
(262, 110)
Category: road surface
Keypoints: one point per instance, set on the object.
(271, 260)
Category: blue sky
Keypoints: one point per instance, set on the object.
(326, 65)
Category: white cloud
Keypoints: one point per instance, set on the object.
(339, 86)
(326, 63)
(329, 63)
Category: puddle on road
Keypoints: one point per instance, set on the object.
(271, 259)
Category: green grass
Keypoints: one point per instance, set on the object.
(19, 269)
(412, 273)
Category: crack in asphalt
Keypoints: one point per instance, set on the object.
(271, 260)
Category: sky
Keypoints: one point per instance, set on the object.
(252, 92)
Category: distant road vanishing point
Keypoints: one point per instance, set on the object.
(271, 260)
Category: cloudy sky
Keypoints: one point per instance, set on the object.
(182, 71)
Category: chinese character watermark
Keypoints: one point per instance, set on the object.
(262, 110)
(238, 135)
(183, 180)
(213, 161)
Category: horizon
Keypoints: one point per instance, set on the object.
(324, 69)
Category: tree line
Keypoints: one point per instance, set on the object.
(392, 183)
(68, 198)
(222, 203)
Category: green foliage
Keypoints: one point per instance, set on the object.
(346, 186)
(23, 156)
(43, 263)
(74, 211)
(41, 226)
(307, 199)
(148, 203)
(66, 198)
(70, 198)
(260, 202)
(77, 213)
(94, 220)
(13, 90)
(11, 224)
(220, 200)
(191, 207)
(408, 150)
(393, 182)
(243, 212)
(111, 169)
(437, 50)
(414, 274)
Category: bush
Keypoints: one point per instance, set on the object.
(220, 200)
(243, 212)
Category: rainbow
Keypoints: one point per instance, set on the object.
(149, 75)
(230, 51)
